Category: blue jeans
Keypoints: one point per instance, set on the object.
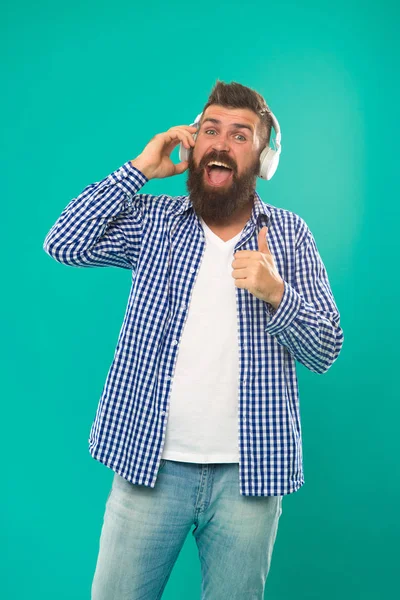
(145, 528)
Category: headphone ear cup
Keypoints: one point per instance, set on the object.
(184, 153)
(269, 160)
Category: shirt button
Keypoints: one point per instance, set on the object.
(192, 269)
(174, 343)
(168, 377)
(183, 307)
(163, 412)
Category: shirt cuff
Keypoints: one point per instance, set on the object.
(128, 178)
(285, 313)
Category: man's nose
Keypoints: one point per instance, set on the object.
(221, 144)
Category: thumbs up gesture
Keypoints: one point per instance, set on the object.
(256, 272)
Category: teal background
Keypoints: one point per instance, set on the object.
(86, 85)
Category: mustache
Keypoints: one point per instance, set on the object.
(220, 157)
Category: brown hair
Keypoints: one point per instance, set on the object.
(236, 95)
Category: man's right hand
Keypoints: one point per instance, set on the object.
(154, 162)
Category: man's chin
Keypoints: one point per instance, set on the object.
(216, 189)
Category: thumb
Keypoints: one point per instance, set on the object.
(181, 167)
(262, 240)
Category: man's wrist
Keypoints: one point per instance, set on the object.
(141, 166)
(275, 302)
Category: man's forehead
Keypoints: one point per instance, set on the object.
(231, 115)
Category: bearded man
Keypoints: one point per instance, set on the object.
(199, 416)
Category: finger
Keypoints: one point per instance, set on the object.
(181, 167)
(244, 254)
(239, 264)
(239, 274)
(186, 127)
(189, 139)
(188, 131)
(170, 146)
(175, 137)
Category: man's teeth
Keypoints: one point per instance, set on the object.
(218, 164)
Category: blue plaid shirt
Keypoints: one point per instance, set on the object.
(161, 240)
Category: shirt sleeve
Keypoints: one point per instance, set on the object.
(102, 227)
(307, 320)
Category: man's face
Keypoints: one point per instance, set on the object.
(230, 136)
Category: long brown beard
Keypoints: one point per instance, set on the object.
(217, 205)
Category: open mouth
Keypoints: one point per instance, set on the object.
(218, 175)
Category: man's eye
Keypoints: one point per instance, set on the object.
(238, 134)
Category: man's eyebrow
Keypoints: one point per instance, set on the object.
(237, 125)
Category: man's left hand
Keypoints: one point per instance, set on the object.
(256, 271)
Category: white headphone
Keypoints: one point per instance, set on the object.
(269, 158)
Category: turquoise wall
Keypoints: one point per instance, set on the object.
(86, 85)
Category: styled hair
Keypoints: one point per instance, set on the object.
(236, 95)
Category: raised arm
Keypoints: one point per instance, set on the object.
(102, 227)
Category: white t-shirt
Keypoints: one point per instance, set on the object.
(202, 425)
